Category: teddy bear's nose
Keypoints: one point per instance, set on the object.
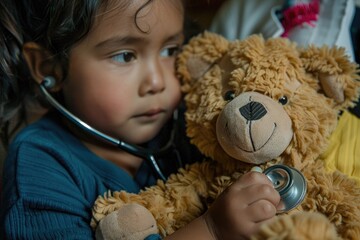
(253, 111)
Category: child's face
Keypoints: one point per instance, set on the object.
(121, 80)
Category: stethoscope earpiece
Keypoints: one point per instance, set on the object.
(48, 82)
(290, 183)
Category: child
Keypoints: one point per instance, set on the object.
(111, 64)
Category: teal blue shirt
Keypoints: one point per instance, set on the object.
(51, 181)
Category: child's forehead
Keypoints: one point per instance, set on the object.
(135, 24)
(139, 13)
(137, 8)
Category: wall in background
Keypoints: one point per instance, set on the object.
(201, 12)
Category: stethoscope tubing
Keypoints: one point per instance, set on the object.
(296, 182)
(147, 154)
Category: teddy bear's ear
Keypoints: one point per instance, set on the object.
(199, 55)
(337, 76)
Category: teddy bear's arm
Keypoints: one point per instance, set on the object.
(329, 211)
(173, 204)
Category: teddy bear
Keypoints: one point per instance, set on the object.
(251, 102)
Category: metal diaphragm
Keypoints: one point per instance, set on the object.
(290, 183)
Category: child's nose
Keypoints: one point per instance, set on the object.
(154, 80)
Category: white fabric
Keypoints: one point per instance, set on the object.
(237, 19)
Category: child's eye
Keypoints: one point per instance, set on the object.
(124, 57)
(169, 51)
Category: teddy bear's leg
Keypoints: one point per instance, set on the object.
(301, 226)
(130, 222)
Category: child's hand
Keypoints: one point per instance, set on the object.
(240, 210)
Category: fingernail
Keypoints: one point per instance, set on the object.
(256, 169)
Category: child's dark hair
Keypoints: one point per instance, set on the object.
(56, 26)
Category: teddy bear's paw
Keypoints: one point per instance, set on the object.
(130, 222)
(300, 226)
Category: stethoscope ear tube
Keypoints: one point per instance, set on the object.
(290, 183)
(147, 154)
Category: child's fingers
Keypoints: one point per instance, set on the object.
(256, 192)
(252, 178)
(260, 211)
(267, 221)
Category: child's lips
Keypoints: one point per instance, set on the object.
(153, 113)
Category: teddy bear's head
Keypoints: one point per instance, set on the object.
(255, 101)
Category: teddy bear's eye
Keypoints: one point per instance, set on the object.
(229, 95)
(283, 100)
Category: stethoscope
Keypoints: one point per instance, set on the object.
(289, 182)
(148, 154)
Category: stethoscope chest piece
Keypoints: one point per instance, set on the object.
(290, 183)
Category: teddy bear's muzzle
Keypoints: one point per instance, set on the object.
(251, 125)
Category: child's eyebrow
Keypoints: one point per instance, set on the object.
(116, 41)
(175, 37)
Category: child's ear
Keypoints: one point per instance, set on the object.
(41, 64)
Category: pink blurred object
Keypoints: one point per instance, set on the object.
(300, 13)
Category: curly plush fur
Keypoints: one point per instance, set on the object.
(258, 102)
